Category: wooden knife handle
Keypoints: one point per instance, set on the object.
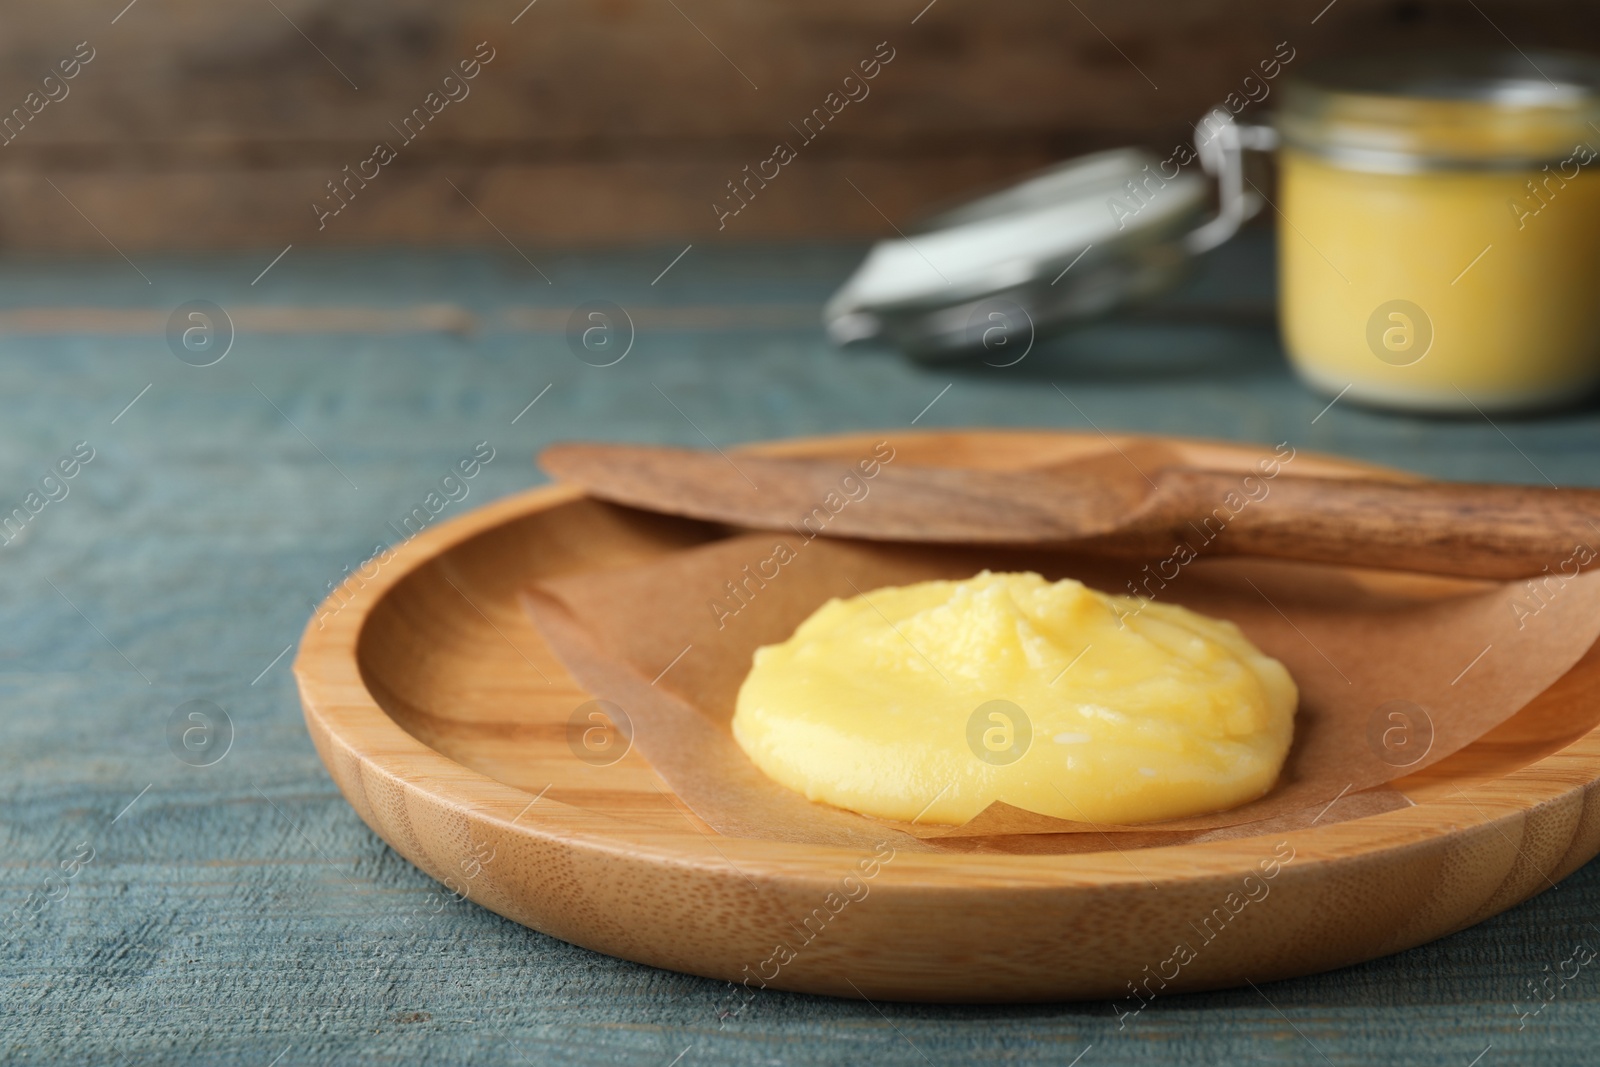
(1451, 528)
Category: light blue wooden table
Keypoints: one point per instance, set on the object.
(240, 913)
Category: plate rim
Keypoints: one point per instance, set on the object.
(348, 723)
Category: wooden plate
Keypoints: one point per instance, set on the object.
(444, 720)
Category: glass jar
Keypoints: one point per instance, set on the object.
(1439, 245)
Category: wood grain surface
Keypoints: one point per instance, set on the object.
(1137, 502)
(200, 125)
(445, 721)
(242, 912)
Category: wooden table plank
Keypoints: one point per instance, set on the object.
(195, 124)
(239, 911)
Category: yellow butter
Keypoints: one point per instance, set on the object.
(931, 701)
(1439, 245)
(1427, 289)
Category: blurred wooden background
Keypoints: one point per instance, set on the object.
(201, 124)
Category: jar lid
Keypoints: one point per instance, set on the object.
(1466, 109)
(1069, 243)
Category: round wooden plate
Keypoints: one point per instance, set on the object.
(444, 720)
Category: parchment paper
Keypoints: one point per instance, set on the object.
(647, 638)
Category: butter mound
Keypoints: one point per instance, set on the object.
(931, 701)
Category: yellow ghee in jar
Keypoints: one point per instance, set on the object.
(931, 701)
(1439, 245)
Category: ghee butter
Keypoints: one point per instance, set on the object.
(930, 701)
(1440, 246)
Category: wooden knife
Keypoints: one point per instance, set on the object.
(1107, 503)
